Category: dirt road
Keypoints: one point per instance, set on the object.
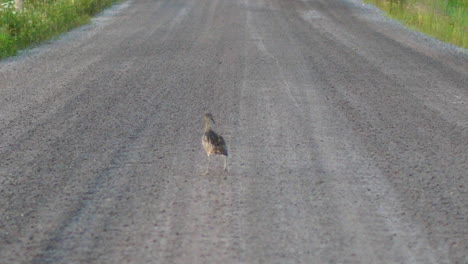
(347, 134)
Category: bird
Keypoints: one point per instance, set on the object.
(212, 142)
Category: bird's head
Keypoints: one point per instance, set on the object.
(209, 116)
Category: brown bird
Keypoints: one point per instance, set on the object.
(212, 142)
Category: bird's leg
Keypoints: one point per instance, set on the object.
(225, 163)
(208, 165)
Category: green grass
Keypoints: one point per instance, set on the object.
(446, 20)
(40, 20)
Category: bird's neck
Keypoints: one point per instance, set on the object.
(207, 125)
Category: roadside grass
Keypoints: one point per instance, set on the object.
(41, 20)
(446, 20)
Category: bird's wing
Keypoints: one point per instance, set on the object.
(218, 142)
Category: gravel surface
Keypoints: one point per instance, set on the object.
(347, 134)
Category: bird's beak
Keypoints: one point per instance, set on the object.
(213, 120)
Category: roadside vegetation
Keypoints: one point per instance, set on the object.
(40, 20)
(446, 20)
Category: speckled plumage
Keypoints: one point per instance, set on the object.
(212, 142)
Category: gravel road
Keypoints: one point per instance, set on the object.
(347, 134)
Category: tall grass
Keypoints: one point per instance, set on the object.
(446, 20)
(40, 20)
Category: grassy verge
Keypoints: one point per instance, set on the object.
(40, 20)
(446, 20)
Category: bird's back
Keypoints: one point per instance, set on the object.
(214, 143)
